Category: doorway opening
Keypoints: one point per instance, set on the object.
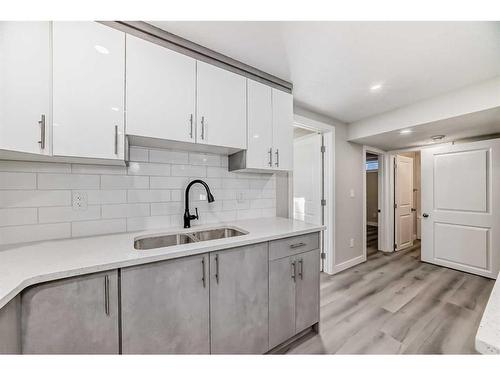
(407, 200)
(372, 203)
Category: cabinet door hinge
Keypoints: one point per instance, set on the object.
(323, 255)
(323, 149)
(323, 202)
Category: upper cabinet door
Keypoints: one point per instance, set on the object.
(161, 92)
(24, 86)
(221, 107)
(282, 130)
(260, 125)
(88, 90)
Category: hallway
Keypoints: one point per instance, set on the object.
(394, 303)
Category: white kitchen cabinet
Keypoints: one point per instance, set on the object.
(161, 92)
(88, 90)
(221, 107)
(282, 130)
(25, 72)
(260, 125)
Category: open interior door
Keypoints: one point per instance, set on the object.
(403, 202)
(461, 206)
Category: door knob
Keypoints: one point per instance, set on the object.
(425, 215)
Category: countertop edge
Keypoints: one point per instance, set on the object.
(487, 340)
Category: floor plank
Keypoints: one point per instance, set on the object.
(394, 303)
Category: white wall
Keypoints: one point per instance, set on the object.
(36, 198)
(348, 211)
(474, 98)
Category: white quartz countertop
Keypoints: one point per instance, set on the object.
(488, 334)
(29, 264)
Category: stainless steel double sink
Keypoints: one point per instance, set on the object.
(164, 240)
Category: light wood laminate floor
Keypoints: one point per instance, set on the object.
(394, 303)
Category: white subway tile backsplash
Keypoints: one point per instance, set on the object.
(30, 233)
(168, 156)
(36, 198)
(111, 211)
(124, 182)
(17, 216)
(64, 214)
(17, 181)
(50, 181)
(142, 196)
(97, 227)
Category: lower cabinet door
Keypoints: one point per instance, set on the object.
(307, 290)
(71, 316)
(165, 307)
(282, 280)
(239, 300)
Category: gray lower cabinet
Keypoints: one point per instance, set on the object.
(10, 327)
(71, 316)
(239, 282)
(293, 295)
(165, 307)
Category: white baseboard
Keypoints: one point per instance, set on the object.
(348, 264)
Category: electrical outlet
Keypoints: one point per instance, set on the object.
(351, 242)
(240, 197)
(80, 200)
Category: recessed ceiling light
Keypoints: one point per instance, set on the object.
(406, 131)
(101, 49)
(376, 87)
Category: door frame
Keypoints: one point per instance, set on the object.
(328, 236)
(382, 200)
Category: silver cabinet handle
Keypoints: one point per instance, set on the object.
(293, 271)
(217, 268)
(202, 127)
(41, 122)
(296, 245)
(191, 126)
(106, 294)
(116, 139)
(277, 157)
(203, 279)
(301, 266)
(270, 157)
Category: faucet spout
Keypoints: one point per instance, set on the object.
(210, 198)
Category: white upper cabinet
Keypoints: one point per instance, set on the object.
(221, 107)
(282, 130)
(25, 86)
(88, 90)
(260, 125)
(161, 92)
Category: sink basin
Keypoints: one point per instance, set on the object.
(157, 241)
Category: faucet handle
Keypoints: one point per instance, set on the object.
(196, 216)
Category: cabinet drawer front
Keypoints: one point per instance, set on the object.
(293, 245)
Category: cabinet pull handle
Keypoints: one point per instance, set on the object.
(217, 268)
(277, 157)
(270, 157)
(116, 139)
(106, 294)
(191, 126)
(301, 266)
(203, 272)
(296, 245)
(41, 122)
(202, 127)
(293, 271)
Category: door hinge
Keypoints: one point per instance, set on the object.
(323, 255)
(395, 205)
(323, 149)
(323, 202)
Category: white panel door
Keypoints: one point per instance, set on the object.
(461, 206)
(24, 85)
(282, 130)
(221, 107)
(88, 90)
(260, 125)
(161, 92)
(307, 179)
(403, 194)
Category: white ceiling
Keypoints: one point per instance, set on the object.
(333, 64)
(471, 125)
